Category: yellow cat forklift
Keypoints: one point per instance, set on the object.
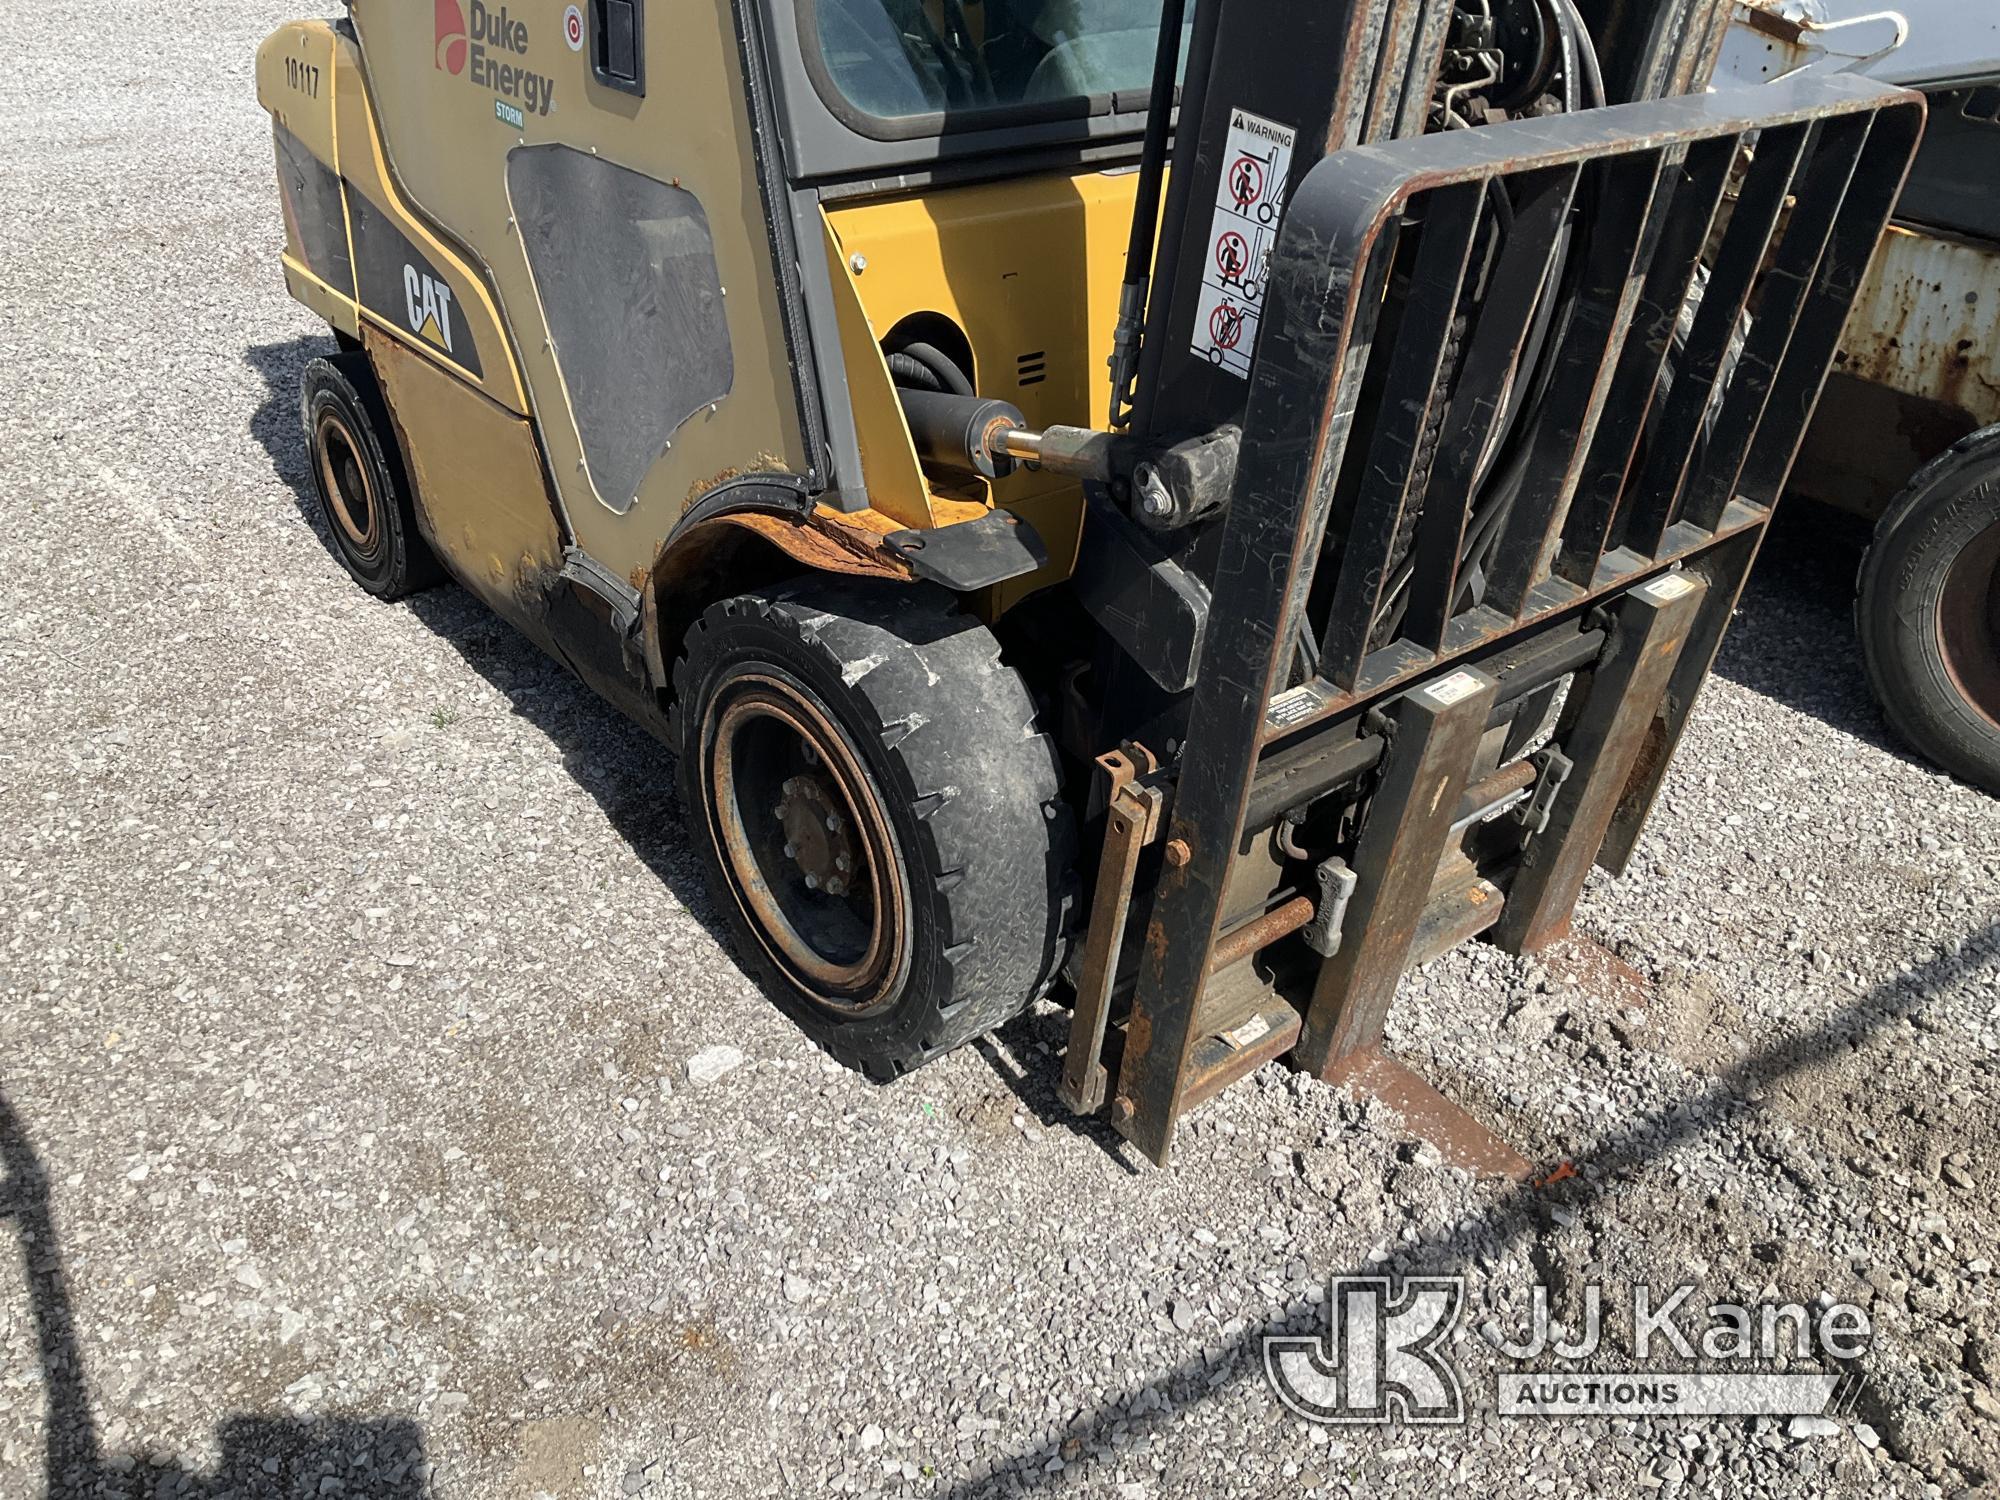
(1191, 509)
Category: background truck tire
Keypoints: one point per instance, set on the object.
(1928, 611)
(878, 813)
(358, 474)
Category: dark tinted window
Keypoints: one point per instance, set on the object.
(894, 59)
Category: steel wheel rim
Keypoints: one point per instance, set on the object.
(350, 490)
(776, 767)
(1968, 623)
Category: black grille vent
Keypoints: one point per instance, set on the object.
(1031, 369)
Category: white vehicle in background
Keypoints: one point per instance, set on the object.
(1908, 432)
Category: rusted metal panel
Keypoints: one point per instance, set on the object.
(1918, 369)
(1924, 322)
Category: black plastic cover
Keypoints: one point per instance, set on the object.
(973, 554)
(625, 268)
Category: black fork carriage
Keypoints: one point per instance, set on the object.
(1464, 665)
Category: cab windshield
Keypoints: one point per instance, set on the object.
(897, 59)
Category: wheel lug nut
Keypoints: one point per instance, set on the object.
(836, 888)
(791, 851)
(833, 823)
(842, 862)
(812, 882)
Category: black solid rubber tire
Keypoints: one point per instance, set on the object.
(946, 733)
(399, 562)
(1951, 501)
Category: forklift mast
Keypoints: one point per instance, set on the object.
(1462, 435)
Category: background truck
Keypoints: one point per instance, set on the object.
(1908, 432)
(1188, 511)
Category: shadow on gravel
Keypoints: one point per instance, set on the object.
(275, 422)
(1519, 1211)
(1793, 637)
(260, 1455)
(627, 771)
(1029, 1064)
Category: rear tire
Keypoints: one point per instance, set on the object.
(1928, 611)
(879, 816)
(358, 474)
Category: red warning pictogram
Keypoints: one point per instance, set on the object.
(1232, 255)
(1246, 181)
(1225, 325)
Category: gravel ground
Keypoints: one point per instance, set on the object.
(353, 966)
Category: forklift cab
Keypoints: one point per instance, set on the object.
(796, 191)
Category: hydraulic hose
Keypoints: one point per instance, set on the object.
(929, 368)
(1145, 214)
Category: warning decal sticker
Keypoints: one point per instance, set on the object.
(1248, 203)
(1294, 706)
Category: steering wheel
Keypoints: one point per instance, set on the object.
(971, 47)
(954, 52)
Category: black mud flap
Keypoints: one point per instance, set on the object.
(593, 619)
(972, 554)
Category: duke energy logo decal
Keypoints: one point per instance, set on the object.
(451, 40)
(473, 42)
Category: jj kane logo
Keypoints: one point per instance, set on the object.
(1383, 1354)
(468, 51)
(1386, 1354)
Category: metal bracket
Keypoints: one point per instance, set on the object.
(972, 554)
(1131, 821)
(1552, 769)
(1155, 609)
(1176, 486)
(1336, 889)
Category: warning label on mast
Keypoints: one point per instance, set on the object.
(1249, 201)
